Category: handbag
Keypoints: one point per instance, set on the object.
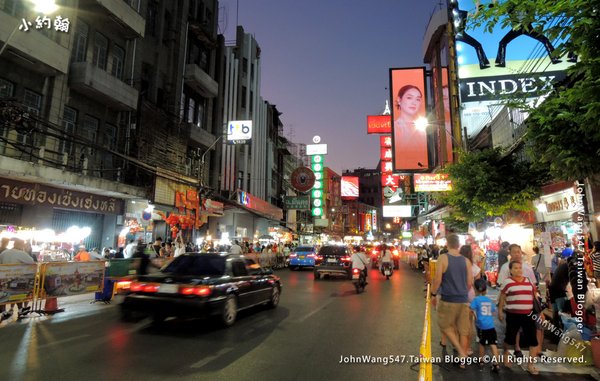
(538, 276)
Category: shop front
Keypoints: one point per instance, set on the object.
(56, 219)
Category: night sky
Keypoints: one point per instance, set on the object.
(325, 64)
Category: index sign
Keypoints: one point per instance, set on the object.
(239, 131)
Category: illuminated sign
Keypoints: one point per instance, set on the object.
(511, 58)
(239, 131)
(298, 202)
(406, 235)
(350, 187)
(432, 182)
(260, 206)
(317, 193)
(409, 143)
(397, 210)
(316, 149)
(379, 124)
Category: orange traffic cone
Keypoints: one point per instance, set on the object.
(51, 305)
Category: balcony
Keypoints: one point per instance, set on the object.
(126, 17)
(200, 81)
(201, 136)
(94, 82)
(35, 50)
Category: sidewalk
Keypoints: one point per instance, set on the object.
(549, 349)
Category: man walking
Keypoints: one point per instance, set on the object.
(455, 278)
(516, 255)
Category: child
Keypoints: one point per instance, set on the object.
(484, 309)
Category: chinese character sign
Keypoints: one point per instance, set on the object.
(59, 23)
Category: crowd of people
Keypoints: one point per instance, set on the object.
(459, 289)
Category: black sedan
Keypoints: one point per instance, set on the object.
(200, 285)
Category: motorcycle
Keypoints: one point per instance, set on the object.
(358, 280)
(387, 270)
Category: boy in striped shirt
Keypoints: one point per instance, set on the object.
(516, 299)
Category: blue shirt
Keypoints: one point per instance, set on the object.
(567, 252)
(484, 309)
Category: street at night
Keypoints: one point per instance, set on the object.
(316, 323)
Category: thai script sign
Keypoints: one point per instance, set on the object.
(73, 278)
(298, 202)
(16, 283)
(432, 182)
(37, 194)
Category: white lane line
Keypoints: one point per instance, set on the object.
(63, 341)
(313, 312)
(208, 359)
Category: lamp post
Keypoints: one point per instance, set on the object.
(423, 123)
(45, 7)
(202, 163)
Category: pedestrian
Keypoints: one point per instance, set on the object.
(156, 246)
(4, 244)
(567, 251)
(517, 296)
(235, 248)
(453, 275)
(539, 266)
(595, 256)
(502, 255)
(556, 260)
(179, 246)
(516, 254)
(129, 249)
(82, 255)
(483, 311)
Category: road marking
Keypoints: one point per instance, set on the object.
(208, 359)
(63, 341)
(313, 312)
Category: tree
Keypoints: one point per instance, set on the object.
(564, 131)
(487, 183)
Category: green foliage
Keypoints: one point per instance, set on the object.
(487, 184)
(564, 131)
(455, 224)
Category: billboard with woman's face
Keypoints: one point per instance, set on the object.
(408, 96)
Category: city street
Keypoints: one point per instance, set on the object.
(316, 324)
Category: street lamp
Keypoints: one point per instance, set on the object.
(204, 156)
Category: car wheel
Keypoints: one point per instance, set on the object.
(275, 294)
(229, 311)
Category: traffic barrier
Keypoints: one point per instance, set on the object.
(425, 364)
(432, 268)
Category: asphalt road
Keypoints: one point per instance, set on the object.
(316, 324)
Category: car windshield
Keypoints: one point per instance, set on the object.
(196, 265)
(304, 249)
(337, 251)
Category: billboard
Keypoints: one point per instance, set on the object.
(432, 182)
(409, 143)
(297, 202)
(239, 131)
(379, 124)
(397, 210)
(316, 149)
(350, 187)
(493, 65)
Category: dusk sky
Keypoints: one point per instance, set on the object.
(325, 64)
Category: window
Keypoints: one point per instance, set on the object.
(7, 88)
(118, 59)
(244, 90)
(69, 121)
(33, 102)
(80, 44)
(245, 65)
(109, 136)
(252, 72)
(147, 82)
(100, 51)
(191, 109)
(167, 28)
(252, 267)
(238, 268)
(151, 13)
(198, 54)
(89, 130)
(239, 179)
(12, 7)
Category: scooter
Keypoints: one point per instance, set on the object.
(387, 270)
(358, 280)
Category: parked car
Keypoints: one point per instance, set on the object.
(202, 285)
(303, 256)
(334, 261)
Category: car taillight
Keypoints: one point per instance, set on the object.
(143, 287)
(195, 290)
(293, 255)
(123, 285)
(311, 255)
(318, 257)
(345, 259)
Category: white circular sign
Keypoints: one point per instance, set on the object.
(316, 139)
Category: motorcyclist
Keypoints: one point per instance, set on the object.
(386, 257)
(360, 261)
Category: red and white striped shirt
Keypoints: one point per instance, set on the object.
(519, 296)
